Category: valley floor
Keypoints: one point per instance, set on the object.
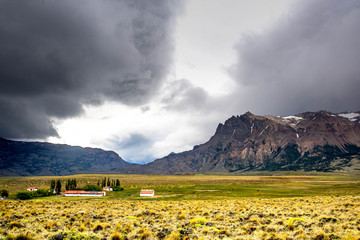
(284, 206)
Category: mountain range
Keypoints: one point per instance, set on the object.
(310, 141)
(46, 159)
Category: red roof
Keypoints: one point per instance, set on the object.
(146, 191)
(82, 192)
(31, 188)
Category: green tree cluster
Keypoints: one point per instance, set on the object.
(71, 184)
(52, 184)
(55, 185)
(106, 182)
(89, 187)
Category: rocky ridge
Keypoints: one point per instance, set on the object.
(310, 141)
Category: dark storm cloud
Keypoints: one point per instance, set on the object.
(57, 56)
(20, 120)
(309, 61)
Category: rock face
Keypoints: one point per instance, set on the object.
(46, 159)
(311, 141)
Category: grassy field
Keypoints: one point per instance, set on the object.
(272, 206)
(205, 187)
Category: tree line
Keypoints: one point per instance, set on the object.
(108, 183)
(71, 184)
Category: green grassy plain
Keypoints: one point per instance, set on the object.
(205, 187)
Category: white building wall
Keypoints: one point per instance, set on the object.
(146, 195)
(84, 195)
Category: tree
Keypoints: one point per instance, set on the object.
(71, 184)
(52, 184)
(117, 182)
(74, 184)
(58, 187)
(103, 184)
(67, 184)
(108, 182)
(4, 193)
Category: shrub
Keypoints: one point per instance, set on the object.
(118, 188)
(98, 227)
(117, 236)
(4, 193)
(24, 195)
(82, 228)
(145, 234)
(73, 235)
(200, 221)
(23, 237)
(181, 216)
(173, 236)
(90, 187)
(41, 193)
(15, 224)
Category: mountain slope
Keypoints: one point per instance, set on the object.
(46, 159)
(311, 141)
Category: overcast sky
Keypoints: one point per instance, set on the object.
(148, 77)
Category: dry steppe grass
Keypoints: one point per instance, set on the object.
(248, 218)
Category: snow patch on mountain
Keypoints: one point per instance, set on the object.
(351, 116)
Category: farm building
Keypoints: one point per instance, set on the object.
(80, 193)
(31, 189)
(106, 188)
(147, 193)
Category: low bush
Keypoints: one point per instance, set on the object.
(4, 193)
(24, 195)
(90, 187)
(41, 193)
(118, 188)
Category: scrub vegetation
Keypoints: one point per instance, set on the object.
(323, 206)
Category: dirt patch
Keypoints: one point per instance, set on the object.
(290, 178)
(206, 190)
(168, 195)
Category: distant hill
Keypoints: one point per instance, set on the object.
(37, 158)
(311, 141)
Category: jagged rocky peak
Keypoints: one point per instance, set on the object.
(320, 141)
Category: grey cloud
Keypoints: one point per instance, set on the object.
(134, 148)
(308, 61)
(57, 56)
(134, 140)
(144, 109)
(182, 95)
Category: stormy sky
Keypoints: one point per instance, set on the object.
(148, 77)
